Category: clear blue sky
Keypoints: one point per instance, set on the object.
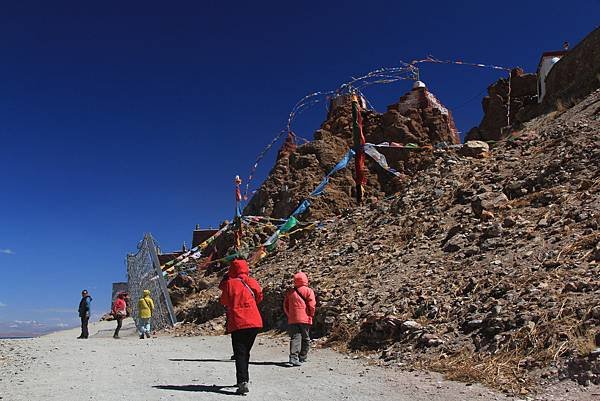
(120, 118)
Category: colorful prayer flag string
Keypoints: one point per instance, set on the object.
(260, 156)
(431, 59)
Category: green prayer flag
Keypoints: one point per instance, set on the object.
(288, 225)
(230, 258)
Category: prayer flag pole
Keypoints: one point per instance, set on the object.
(359, 149)
(238, 213)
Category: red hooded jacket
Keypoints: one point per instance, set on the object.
(297, 309)
(119, 306)
(240, 295)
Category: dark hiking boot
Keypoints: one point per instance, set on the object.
(141, 336)
(148, 335)
(242, 388)
(302, 360)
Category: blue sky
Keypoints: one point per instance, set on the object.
(118, 119)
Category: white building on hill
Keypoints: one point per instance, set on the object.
(547, 61)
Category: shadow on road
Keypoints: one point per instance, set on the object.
(197, 388)
(260, 363)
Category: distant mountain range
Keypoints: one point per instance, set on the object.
(29, 328)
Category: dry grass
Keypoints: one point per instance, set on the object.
(585, 242)
(509, 367)
(561, 106)
(500, 371)
(341, 335)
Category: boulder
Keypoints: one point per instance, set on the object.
(477, 149)
(490, 201)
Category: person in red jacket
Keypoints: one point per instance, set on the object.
(119, 311)
(241, 295)
(299, 306)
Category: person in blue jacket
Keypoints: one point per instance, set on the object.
(84, 313)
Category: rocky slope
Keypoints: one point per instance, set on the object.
(487, 269)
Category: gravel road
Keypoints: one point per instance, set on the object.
(60, 367)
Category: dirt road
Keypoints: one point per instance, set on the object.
(60, 367)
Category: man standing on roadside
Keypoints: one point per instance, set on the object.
(84, 313)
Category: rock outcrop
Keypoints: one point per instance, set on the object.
(523, 97)
(418, 117)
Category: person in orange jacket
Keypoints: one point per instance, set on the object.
(299, 306)
(241, 295)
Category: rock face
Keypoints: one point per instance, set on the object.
(523, 97)
(418, 117)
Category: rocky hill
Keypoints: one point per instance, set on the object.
(492, 264)
(480, 263)
(486, 269)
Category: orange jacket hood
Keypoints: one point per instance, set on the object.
(238, 268)
(300, 279)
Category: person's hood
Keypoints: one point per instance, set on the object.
(146, 293)
(300, 279)
(238, 268)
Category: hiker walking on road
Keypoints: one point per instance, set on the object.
(119, 311)
(241, 295)
(221, 287)
(84, 313)
(145, 309)
(299, 306)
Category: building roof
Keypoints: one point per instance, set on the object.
(555, 53)
(199, 236)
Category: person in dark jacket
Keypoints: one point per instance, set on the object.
(241, 295)
(84, 313)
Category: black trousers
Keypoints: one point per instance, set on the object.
(242, 341)
(84, 327)
(119, 325)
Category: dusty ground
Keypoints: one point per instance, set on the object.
(59, 367)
